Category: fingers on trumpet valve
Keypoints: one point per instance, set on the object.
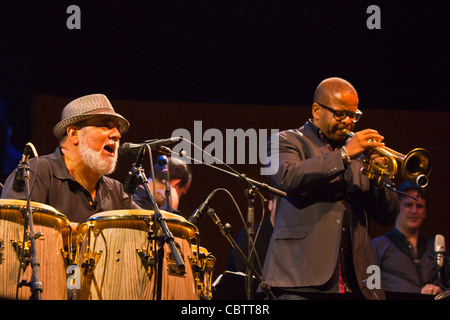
(374, 139)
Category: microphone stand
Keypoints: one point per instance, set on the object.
(225, 230)
(244, 179)
(252, 188)
(35, 284)
(165, 171)
(442, 272)
(159, 220)
(444, 295)
(250, 193)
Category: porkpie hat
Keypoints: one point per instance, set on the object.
(87, 107)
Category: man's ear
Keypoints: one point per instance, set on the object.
(175, 182)
(73, 135)
(315, 111)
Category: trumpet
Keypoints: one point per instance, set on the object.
(415, 165)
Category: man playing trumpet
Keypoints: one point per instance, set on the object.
(320, 245)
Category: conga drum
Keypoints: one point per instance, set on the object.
(49, 250)
(117, 255)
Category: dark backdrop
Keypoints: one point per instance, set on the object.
(231, 64)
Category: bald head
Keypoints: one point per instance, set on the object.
(334, 94)
(332, 87)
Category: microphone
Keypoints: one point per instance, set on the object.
(200, 212)
(439, 251)
(19, 178)
(132, 182)
(162, 160)
(168, 152)
(128, 148)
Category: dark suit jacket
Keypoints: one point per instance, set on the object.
(304, 248)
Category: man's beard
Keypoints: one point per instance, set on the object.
(103, 165)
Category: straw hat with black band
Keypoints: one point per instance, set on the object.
(87, 107)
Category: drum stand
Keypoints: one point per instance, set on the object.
(35, 284)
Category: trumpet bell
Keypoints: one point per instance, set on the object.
(417, 166)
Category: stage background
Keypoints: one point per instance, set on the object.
(403, 131)
(231, 64)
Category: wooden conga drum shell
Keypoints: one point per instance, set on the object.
(49, 250)
(114, 239)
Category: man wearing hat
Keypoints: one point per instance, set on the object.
(72, 179)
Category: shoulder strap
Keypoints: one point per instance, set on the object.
(401, 246)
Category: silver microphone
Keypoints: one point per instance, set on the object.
(133, 148)
(439, 250)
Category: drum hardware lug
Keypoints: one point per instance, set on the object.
(39, 236)
(158, 238)
(90, 261)
(23, 283)
(210, 262)
(151, 235)
(67, 258)
(117, 255)
(148, 261)
(199, 274)
(172, 267)
(21, 250)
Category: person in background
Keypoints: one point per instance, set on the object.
(180, 178)
(9, 155)
(404, 256)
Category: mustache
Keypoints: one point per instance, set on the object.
(342, 127)
(112, 145)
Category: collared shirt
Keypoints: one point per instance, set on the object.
(54, 186)
(347, 279)
(402, 269)
(332, 145)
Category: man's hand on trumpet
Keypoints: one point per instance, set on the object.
(376, 158)
(362, 141)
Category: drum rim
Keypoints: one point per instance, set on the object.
(117, 216)
(42, 208)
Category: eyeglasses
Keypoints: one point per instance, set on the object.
(340, 115)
